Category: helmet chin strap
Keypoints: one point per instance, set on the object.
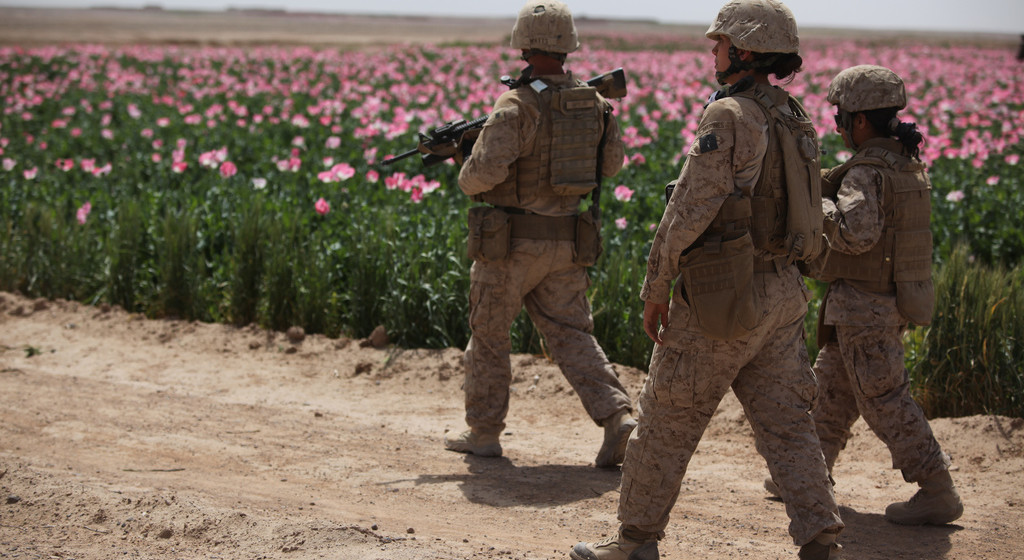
(737, 65)
(846, 122)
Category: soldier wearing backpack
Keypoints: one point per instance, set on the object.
(726, 242)
(879, 270)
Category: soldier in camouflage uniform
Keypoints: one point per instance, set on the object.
(538, 154)
(767, 368)
(880, 272)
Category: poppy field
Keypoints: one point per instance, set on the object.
(245, 186)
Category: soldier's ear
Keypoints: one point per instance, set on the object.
(860, 121)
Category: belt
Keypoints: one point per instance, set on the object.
(535, 226)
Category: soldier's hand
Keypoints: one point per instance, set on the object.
(443, 151)
(655, 317)
(466, 145)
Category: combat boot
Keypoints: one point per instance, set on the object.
(823, 547)
(475, 443)
(936, 503)
(617, 428)
(616, 547)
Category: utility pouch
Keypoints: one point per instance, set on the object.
(718, 283)
(815, 267)
(490, 234)
(916, 301)
(825, 333)
(915, 292)
(588, 239)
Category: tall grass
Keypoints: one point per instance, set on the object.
(972, 355)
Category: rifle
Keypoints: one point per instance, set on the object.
(611, 85)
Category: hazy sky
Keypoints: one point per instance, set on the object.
(995, 16)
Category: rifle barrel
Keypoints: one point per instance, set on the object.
(400, 157)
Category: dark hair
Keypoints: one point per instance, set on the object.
(783, 65)
(884, 121)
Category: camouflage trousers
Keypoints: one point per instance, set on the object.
(541, 276)
(862, 373)
(770, 374)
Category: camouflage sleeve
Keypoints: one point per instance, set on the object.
(858, 210)
(706, 179)
(614, 151)
(510, 128)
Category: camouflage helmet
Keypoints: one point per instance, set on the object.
(867, 87)
(761, 26)
(545, 25)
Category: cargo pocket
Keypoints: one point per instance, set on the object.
(672, 376)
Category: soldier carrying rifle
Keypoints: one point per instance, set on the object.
(541, 151)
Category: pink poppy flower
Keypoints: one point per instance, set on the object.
(179, 166)
(623, 193)
(83, 212)
(993, 180)
(621, 223)
(322, 207)
(31, 173)
(955, 196)
(228, 169)
(343, 171)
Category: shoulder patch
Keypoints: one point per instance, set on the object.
(708, 143)
(500, 115)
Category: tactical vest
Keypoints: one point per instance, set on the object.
(904, 250)
(563, 162)
(783, 210)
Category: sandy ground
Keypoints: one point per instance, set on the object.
(122, 437)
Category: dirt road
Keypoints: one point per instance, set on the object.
(122, 437)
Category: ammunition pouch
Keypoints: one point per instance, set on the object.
(718, 286)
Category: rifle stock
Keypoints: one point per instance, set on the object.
(611, 85)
